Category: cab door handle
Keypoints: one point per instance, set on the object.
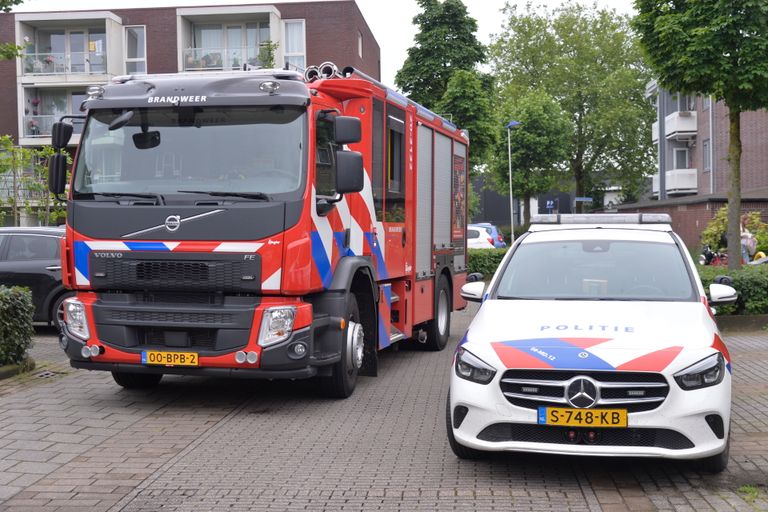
(53, 268)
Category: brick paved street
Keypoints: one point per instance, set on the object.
(74, 440)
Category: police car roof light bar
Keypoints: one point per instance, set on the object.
(602, 218)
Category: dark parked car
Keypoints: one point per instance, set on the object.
(29, 257)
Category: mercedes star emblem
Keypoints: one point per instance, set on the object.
(582, 393)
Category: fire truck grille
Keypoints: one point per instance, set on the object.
(176, 272)
(633, 391)
(170, 317)
(201, 339)
(531, 433)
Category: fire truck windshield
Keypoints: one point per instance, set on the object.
(256, 150)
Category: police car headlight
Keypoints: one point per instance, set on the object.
(276, 325)
(707, 372)
(472, 368)
(74, 317)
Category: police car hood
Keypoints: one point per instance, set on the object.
(592, 335)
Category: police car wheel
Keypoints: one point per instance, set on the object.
(716, 463)
(459, 450)
(137, 380)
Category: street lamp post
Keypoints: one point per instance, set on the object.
(511, 125)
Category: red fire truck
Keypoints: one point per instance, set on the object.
(258, 224)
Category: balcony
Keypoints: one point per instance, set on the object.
(681, 125)
(220, 59)
(679, 182)
(41, 126)
(89, 63)
(655, 132)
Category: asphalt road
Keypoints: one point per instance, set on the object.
(74, 440)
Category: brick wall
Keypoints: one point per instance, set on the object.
(160, 33)
(331, 34)
(9, 120)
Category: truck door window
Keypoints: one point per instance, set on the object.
(325, 156)
(395, 200)
(377, 158)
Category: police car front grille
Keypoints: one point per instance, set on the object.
(532, 433)
(633, 391)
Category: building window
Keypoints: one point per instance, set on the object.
(706, 102)
(681, 158)
(706, 155)
(135, 49)
(360, 44)
(295, 55)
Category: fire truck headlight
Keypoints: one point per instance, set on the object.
(74, 317)
(276, 325)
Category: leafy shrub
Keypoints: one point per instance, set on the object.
(713, 234)
(751, 281)
(16, 310)
(485, 261)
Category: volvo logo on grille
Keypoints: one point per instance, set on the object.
(582, 392)
(172, 222)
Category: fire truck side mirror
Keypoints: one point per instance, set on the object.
(346, 130)
(349, 172)
(57, 173)
(60, 135)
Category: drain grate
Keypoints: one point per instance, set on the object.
(47, 374)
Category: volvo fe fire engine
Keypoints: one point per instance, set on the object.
(261, 224)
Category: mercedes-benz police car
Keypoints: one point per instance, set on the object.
(595, 337)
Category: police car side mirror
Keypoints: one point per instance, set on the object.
(722, 294)
(473, 292)
(349, 172)
(346, 130)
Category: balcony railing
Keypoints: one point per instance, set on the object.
(64, 63)
(681, 125)
(42, 126)
(218, 59)
(678, 182)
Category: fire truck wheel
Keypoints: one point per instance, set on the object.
(137, 380)
(439, 329)
(342, 382)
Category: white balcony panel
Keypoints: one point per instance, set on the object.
(655, 132)
(678, 182)
(680, 125)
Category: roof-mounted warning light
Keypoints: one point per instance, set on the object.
(603, 218)
(95, 92)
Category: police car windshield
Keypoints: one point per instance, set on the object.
(163, 150)
(597, 270)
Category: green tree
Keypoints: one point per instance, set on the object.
(588, 60)
(468, 101)
(445, 43)
(539, 148)
(9, 51)
(713, 47)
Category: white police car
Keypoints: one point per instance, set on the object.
(594, 337)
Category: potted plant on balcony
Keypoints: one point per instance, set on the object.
(34, 129)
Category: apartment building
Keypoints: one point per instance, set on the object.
(66, 51)
(691, 135)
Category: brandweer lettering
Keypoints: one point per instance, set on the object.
(177, 99)
(590, 327)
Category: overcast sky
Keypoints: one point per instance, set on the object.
(390, 20)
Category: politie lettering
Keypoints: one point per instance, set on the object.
(589, 327)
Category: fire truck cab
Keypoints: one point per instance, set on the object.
(258, 224)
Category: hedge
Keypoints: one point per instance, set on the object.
(751, 281)
(16, 331)
(485, 261)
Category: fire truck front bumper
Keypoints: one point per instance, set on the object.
(294, 358)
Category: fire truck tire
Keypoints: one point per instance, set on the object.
(439, 329)
(137, 380)
(343, 378)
